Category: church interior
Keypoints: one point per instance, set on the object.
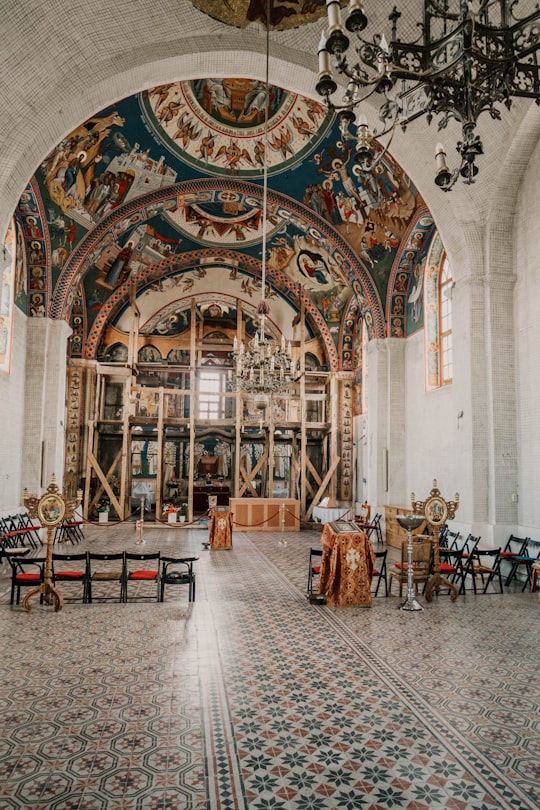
(270, 259)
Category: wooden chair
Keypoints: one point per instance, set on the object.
(142, 574)
(177, 571)
(363, 517)
(421, 563)
(485, 564)
(64, 570)
(99, 571)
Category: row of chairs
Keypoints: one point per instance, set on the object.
(18, 530)
(459, 563)
(520, 554)
(69, 531)
(89, 569)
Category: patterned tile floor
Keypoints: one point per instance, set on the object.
(251, 698)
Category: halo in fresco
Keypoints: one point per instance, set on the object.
(282, 14)
(218, 125)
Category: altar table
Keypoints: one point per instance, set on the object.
(346, 567)
(325, 514)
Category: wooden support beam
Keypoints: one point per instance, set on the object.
(322, 487)
(249, 478)
(104, 482)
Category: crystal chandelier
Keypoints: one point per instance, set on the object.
(471, 56)
(264, 367)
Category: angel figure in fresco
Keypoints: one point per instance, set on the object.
(233, 154)
(281, 142)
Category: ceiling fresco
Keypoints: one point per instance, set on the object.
(281, 14)
(164, 191)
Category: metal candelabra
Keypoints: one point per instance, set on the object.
(410, 522)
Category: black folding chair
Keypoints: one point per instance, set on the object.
(485, 564)
(315, 555)
(177, 571)
(25, 573)
(136, 570)
(73, 568)
(105, 568)
(379, 571)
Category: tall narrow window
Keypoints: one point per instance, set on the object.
(210, 401)
(445, 322)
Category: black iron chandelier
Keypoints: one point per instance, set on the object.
(264, 366)
(471, 56)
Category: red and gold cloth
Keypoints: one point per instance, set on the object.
(220, 529)
(346, 568)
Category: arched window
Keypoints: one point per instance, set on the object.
(446, 284)
(438, 325)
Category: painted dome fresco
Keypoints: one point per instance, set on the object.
(160, 198)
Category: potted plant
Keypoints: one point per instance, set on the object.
(103, 508)
(181, 507)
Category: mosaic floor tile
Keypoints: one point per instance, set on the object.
(251, 698)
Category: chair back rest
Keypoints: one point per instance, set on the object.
(169, 564)
(516, 545)
(71, 558)
(469, 544)
(452, 539)
(22, 565)
(486, 557)
(422, 549)
(365, 512)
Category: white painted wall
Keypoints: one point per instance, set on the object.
(12, 396)
(527, 341)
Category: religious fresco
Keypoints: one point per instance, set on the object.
(166, 186)
(10, 279)
(219, 126)
(281, 14)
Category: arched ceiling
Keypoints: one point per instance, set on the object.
(173, 173)
(165, 190)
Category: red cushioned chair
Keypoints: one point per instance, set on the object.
(72, 568)
(26, 573)
(136, 570)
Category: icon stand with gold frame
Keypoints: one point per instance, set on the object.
(436, 512)
(51, 509)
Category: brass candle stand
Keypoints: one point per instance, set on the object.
(51, 509)
(436, 512)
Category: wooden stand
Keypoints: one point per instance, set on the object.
(51, 509)
(436, 511)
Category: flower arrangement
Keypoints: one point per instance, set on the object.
(104, 505)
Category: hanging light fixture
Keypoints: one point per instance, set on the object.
(471, 56)
(264, 366)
